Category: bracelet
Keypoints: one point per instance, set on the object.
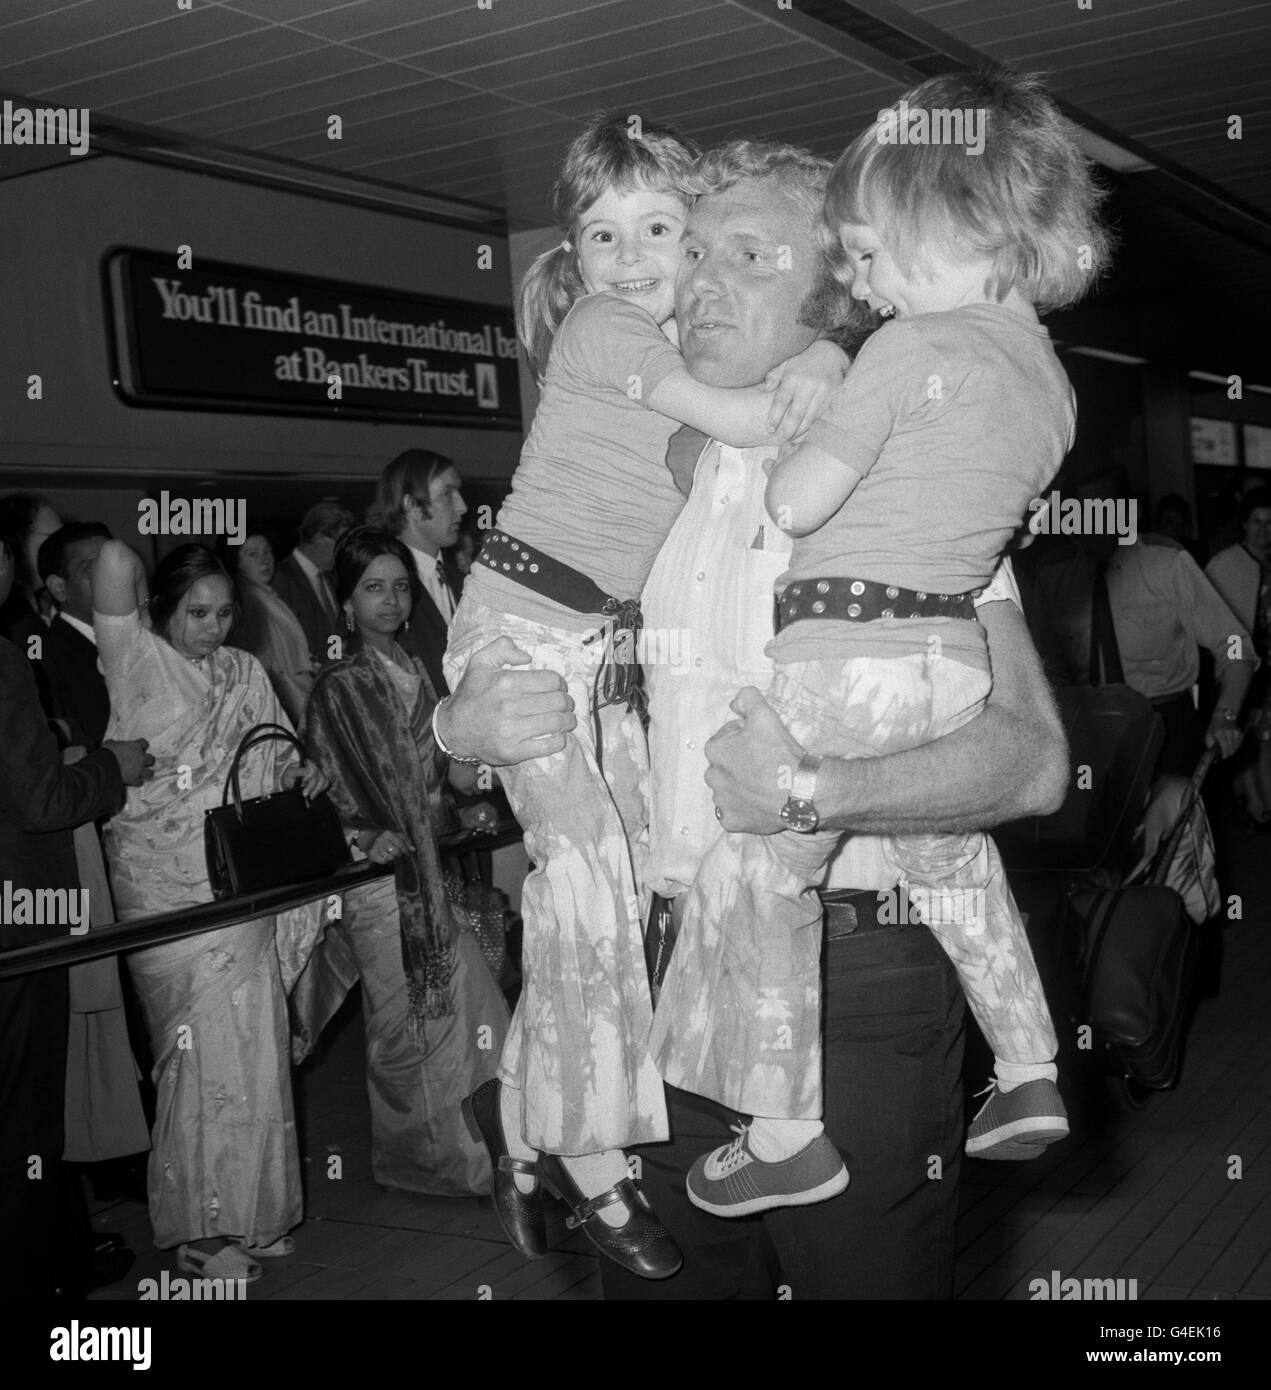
(1229, 716)
(454, 757)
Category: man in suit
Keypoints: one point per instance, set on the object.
(419, 500)
(43, 1227)
(72, 678)
(110, 1138)
(303, 579)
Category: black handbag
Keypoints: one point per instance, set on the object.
(270, 841)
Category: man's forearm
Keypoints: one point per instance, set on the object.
(968, 780)
(1010, 761)
(1233, 685)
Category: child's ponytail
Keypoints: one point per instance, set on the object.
(547, 290)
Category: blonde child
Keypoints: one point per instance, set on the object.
(901, 499)
(561, 574)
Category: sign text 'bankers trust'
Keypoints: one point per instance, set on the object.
(253, 339)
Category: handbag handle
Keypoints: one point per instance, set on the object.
(1161, 860)
(260, 733)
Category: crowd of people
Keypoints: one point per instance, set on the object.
(186, 662)
(682, 1000)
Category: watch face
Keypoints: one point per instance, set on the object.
(800, 815)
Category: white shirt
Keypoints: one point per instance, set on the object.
(84, 629)
(708, 610)
(426, 568)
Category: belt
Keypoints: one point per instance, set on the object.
(848, 912)
(865, 600)
(853, 912)
(620, 674)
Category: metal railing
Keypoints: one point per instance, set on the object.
(142, 932)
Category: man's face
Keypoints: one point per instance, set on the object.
(750, 258)
(75, 591)
(321, 550)
(1258, 530)
(441, 529)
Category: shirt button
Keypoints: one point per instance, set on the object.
(723, 501)
(697, 661)
(690, 744)
(684, 830)
(701, 574)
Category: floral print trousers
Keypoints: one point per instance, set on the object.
(577, 1049)
(739, 1014)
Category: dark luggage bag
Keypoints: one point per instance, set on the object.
(1139, 961)
(1114, 737)
(1138, 966)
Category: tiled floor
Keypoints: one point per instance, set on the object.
(1149, 1194)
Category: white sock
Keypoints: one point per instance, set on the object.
(597, 1173)
(1012, 1074)
(510, 1118)
(772, 1140)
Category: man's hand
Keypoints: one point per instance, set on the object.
(752, 761)
(1225, 734)
(135, 764)
(505, 716)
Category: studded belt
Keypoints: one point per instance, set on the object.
(621, 674)
(864, 601)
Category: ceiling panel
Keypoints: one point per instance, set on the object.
(453, 99)
(182, 39)
(280, 81)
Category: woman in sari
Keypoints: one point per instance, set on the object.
(224, 1172)
(266, 627)
(435, 1019)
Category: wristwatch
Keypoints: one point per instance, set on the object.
(799, 812)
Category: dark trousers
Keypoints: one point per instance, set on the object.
(44, 1231)
(893, 1105)
(1184, 736)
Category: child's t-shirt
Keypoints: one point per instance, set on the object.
(592, 489)
(954, 421)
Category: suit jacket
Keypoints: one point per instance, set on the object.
(76, 688)
(291, 584)
(41, 800)
(428, 631)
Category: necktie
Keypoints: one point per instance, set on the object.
(1105, 655)
(327, 594)
(446, 603)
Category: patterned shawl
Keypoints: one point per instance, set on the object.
(385, 770)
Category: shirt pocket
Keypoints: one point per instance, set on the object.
(755, 627)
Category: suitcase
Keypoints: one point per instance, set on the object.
(1138, 962)
(1137, 972)
(1114, 738)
